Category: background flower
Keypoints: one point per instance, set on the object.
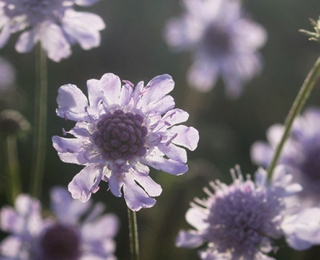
(223, 41)
(60, 237)
(122, 130)
(53, 23)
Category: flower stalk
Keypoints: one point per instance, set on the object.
(40, 122)
(296, 108)
(133, 235)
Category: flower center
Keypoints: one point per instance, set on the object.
(217, 40)
(60, 242)
(121, 136)
(240, 220)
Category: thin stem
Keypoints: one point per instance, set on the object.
(13, 169)
(40, 123)
(133, 235)
(296, 108)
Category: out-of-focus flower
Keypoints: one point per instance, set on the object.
(223, 41)
(7, 75)
(119, 133)
(240, 221)
(60, 238)
(53, 23)
(301, 153)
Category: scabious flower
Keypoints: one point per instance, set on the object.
(241, 220)
(60, 238)
(53, 23)
(223, 41)
(119, 133)
(301, 153)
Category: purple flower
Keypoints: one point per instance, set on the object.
(301, 153)
(121, 131)
(240, 221)
(53, 23)
(62, 238)
(223, 41)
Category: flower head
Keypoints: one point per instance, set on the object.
(223, 41)
(301, 153)
(53, 23)
(119, 133)
(58, 238)
(240, 221)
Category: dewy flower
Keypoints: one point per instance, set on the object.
(301, 153)
(223, 41)
(53, 23)
(60, 238)
(241, 220)
(121, 131)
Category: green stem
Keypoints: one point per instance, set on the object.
(133, 235)
(14, 185)
(40, 123)
(296, 108)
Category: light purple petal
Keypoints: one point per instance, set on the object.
(188, 239)
(152, 188)
(163, 105)
(110, 85)
(187, 136)
(94, 95)
(69, 149)
(155, 90)
(166, 165)
(72, 103)
(10, 221)
(116, 183)
(261, 153)
(172, 117)
(83, 27)
(54, 42)
(135, 197)
(11, 247)
(84, 183)
(86, 2)
(173, 152)
(5, 35)
(25, 42)
(66, 209)
(197, 218)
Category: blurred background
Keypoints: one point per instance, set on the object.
(133, 47)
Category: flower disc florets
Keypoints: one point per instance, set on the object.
(53, 23)
(240, 221)
(121, 131)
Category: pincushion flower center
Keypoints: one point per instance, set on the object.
(217, 40)
(311, 165)
(60, 242)
(121, 136)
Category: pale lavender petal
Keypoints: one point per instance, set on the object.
(110, 85)
(166, 165)
(188, 239)
(152, 188)
(261, 153)
(172, 117)
(10, 247)
(173, 152)
(115, 184)
(5, 35)
(94, 95)
(69, 150)
(10, 221)
(26, 42)
(197, 218)
(163, 105)
(82, 185)
(83, 27)
(135, 197)
(54, 42)
(86, 2)
(155, 90)
(125, 95)
(72, 103)
(187, 136)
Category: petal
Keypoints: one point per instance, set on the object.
(25, 42)
(187, 136)
(173, 152)
(5, 35)
(95, 95)
(54, 42)
(125, 95)
(135, 197)
(155, 90)
(110, 85)
(261, 153)
(10, 221)
(86, 2)
(166, 165)
(196, 217)
(116, 183)
(84, 183)
(66, 209)
(152, 188)
(69, 149)
(83, 27)
(163, 105)
(72, 103)
(11, 247)
(172, 117)
(188, 239)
